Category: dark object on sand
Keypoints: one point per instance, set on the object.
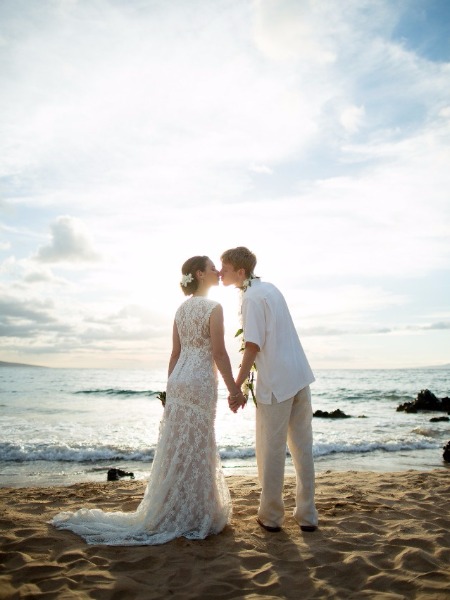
(336, 414)
(425, 400)
(446, 455)
(116, 474)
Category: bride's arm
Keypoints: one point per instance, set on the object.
(219, 351)
(176, 349)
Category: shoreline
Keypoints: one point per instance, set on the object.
(383, 535)
(36, 474)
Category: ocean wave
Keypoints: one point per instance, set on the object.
(75, 453)
(396, 397)
(427, 432)
(118, 392)
(367, 447)
(10, 452)
(230, 453)
(368, 395)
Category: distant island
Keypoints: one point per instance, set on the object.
(12, 364)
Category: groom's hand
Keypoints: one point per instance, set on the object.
(234, 402)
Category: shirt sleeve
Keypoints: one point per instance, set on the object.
(254, 321)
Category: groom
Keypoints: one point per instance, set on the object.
(284, 412)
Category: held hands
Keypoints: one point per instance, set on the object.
(236, 400)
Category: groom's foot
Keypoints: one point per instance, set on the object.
(268, 527)
(308, 527)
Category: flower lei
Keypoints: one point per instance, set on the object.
(186, 279)
(248, 282)
(248, 387)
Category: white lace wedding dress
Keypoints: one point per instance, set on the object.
(186, 493)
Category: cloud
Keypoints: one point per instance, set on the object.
(261, 169)
(158, 103)
(330, 332)
(437, 326)
(13, 308)
(288, 31)
(130, 323)
(42, 276)
(440, 326)
(312, 134)
(23, 272)
(321, 331)
(352, 117)
(171, 105)
(131, 335)
(70, 243)
(28, 320)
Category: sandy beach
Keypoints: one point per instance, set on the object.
(381, 535)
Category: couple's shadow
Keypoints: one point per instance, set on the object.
(260, 563)
(241, 561)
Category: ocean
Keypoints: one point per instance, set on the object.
(63, 426)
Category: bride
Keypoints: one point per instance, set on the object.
(186, 493)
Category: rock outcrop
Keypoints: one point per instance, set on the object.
(426, 400)
(336, 414)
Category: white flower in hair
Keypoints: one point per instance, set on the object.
(186, 279)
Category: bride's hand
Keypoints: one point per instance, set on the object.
(237, 400)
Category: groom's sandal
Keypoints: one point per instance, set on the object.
(308, 527)
(268, 527)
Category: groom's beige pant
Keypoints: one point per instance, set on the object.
(277, 423)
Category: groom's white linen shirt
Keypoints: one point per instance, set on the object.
(282, 366)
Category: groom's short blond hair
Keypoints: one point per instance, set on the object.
(240, 258)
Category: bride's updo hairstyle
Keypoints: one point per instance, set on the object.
(190, 267)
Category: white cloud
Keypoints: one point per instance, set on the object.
(70, 243)
(288, 31)
(352, 117)
(438, 326)
(160, 105)
(41, 276)
(261, 169)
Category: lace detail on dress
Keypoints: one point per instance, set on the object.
(186, 493)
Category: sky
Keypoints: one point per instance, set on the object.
(134, 135)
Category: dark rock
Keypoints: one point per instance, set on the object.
(116, 474)
(336, 414)
(439, 419)
(446, 455)
(425, 400)
(407, 407)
